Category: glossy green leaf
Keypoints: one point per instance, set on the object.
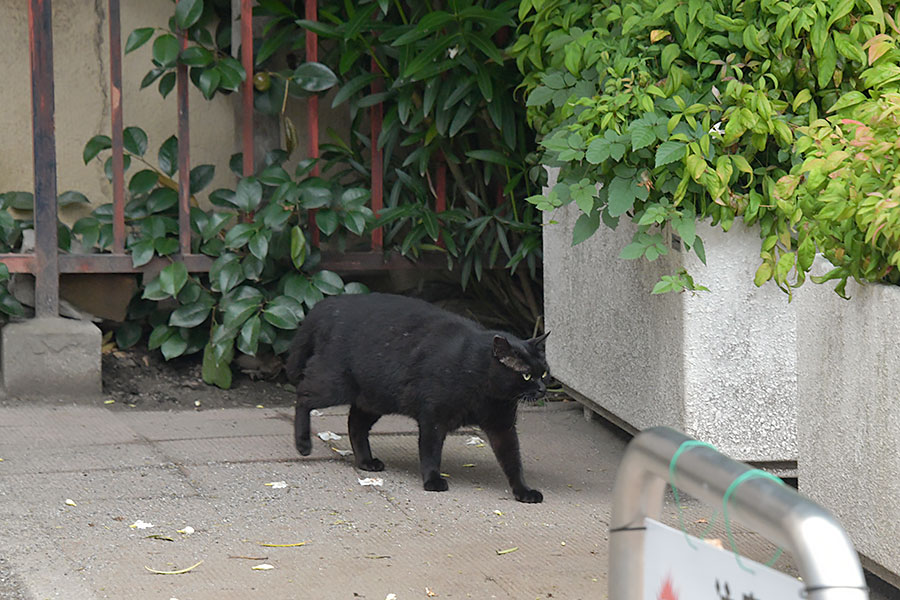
(248, 338)
(143, 181)
(197, 56)
(190, 315)
(168, 156)
(141, 252)
(238, 311)
(134, 140)
(174, 346)
(327, 221)
(128, 334)
(259, 244)
(217, 371)
(283, 312)
(95, 145)
(138, 38)
(209, 82)
(165, 50)
(328, 282)
(71, 197)
(585, 227)
(248, 194)
(314, 77)
(173, 277)
(201, 176)
(187, 12)
(159, 335)
(298, 247)
(240, 235)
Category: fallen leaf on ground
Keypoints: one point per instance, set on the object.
(474, 441)
(277, 485)
(70, 502)
(109, 402)
(391, 597)
(715, 542)
(262, 567)
(498, 513)
(141, 525)
(468, 465)
(328, 435)
(283, 545)
(178, 572)
(186, 531)
(342, 452)
(429, 593)
(159, 536)
(371, 481)
(507, 551)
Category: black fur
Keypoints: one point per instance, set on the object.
(385, 354)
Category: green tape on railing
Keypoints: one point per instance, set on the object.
(686, 445)
(753, 474)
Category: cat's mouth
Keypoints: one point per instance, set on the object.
(531, 398)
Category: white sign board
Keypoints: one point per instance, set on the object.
(677, 570)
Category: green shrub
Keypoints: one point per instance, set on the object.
(846, 191)
(670, 111)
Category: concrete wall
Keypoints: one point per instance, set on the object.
(720, 366)
(81, 70)
(849, 426)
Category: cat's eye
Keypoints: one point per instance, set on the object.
(526, 376)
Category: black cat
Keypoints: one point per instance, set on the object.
(386, 354)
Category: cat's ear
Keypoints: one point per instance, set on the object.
(508, 356)
(538, 342)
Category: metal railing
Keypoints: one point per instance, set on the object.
(46, 263)
(824, 555)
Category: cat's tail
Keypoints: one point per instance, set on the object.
(301, 349)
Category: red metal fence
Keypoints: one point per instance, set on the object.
(46, 263)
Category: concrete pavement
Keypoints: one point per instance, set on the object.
(208, 470)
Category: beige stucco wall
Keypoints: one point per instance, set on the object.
(81, 69)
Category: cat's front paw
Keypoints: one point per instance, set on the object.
(529, 496)
(437, 484)
(373, 464)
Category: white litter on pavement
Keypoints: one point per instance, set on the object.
(328, 435)
(371, 481)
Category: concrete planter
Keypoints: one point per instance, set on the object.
(849, 415)
(720, 366)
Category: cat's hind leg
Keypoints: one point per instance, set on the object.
(319, 388)
(359, 422)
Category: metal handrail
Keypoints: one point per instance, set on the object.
(824, 554)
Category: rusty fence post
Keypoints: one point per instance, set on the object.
(118, 155)
(184, 152)
(46, 267)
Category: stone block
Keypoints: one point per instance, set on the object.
(50, 357)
